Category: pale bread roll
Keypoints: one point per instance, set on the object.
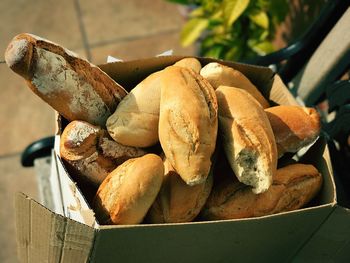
(293, 126)
(221, 75)
(187, 123)
(293, 187)
(178, 202)
(71, 85)
(91, 154)
(135, 121)
(190, 63)
(127, 193)
(247, 137)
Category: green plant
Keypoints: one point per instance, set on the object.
(232, 29)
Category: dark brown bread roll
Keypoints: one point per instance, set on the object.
(178, 202)
(91, 153)
(293, 187)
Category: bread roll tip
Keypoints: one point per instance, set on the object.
(17, 56)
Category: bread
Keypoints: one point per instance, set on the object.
(293, 187)
(135, 121)
(91, 154)
(178, 202)
(221, 75)
(248, 140)
(74, 87)
(190, 63)
(293, 126)
(127, 193)
(187, 123)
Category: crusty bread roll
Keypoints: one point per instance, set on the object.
(135, 121)
(127, 193)
(91, 153)
(74, 87)
(187, 123)
(191, 63)
(293, 187)
(221, 75)
(293, 126)
(178, 202)
(247, 137)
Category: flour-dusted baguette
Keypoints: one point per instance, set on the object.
(248, 140)
(221, 75)
(293, 126)
(187, 123)
(128, 192)
(178, 202)
(74, 87)
(135, 121)
(293, 187)
(91, 154)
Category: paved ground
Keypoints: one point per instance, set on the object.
(93, 29)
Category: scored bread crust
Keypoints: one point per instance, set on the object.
(293, 187)
(128, 192)
(75, 88)
(293, 126)
(178, 202)
(187, 123)
(248, 140)
(221, 75)
(135, 121)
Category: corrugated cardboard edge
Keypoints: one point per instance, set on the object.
(43, 236)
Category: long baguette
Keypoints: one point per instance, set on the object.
(75, 88)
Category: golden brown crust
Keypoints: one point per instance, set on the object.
(190, 63)
(221, 75)
(293, 187)
(91, 153)
(135, 121)
(74, 87)
(178, 202)
(248, 139)
(187, 131)
(293, 126)
(127, 193)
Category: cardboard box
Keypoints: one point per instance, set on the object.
(71, 234)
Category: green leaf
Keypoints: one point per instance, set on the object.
(213, 52)
(263, 48)
(233, 9)
(192, 30)
(260, 18)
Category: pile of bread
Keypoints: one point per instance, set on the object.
(189, 142)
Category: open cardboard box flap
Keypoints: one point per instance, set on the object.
(74, 236)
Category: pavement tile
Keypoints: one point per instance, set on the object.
(54, 20)
(141, 48)
(109, 21)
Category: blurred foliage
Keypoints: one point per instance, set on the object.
(232, 29)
